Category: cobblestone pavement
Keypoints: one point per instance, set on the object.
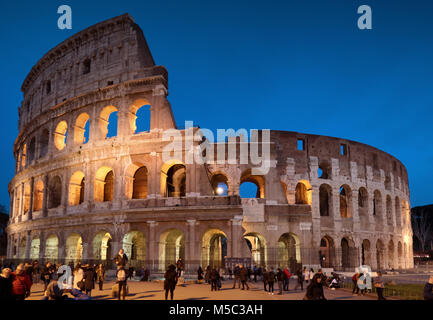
(153, 291)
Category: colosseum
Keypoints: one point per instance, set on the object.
(81, 193)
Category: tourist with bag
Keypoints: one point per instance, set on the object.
(379, 285)
(170, 281)
(21, 283)
(121, 281)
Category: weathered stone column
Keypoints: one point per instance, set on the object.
(45, 198)
(32, 188)
(42, 245)
(236, 231)
(152, 255)
(192, 257)
(28, 245)
(21, 212)
(18, 237)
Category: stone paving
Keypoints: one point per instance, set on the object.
(154, 291)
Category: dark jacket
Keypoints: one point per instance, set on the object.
(315, 291)
(243, 274)
(5, 288)
(170, 279)
(214, 275)
(89, 280)
(428, 291)
(271, 276)
(121, 260)
(46, 273)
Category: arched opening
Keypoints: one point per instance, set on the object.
(74, 248)
(102, 246)
(366, 253)
(219, 184)
(363, 202)
(214, 248)
(17, 202)
(43, 143)
(134, 245)
(26, 198)
(104, 185)
(397, 211)
(60, 135)
(35, 246)
(325, 196)
(250, 184)
(32, 150)
(289, 251)
(327, 252)
(108, 122)
(388, 210)
(348, 254)
(76, 189)
(257, 245)
(22, 249)
(173, 179)
(52, 248)
(81, 129)
(87, 66)
(23, 157)
(405, 257)
(400, 255)
(38, 196)
(55, 193)
(377, 203)
(139, 116)
(391, 263)
(345, 201)
(139, 187)
(171, 248)
(380, 249)
(323, 171)
(303, 192)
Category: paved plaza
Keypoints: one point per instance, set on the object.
(154, 291)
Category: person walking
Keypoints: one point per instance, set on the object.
(355, 283)
(271, 281)
(214, 277)
(428, 289)
(89, 280)
(200, 274)
(179, 267)
(100, 276)
(6, 285)
(244, 276)
(170, 281)
(21, 283)
(280, 280)
(47, 274)
(237, 277)
(207, 275)
(379, 285)
(315, 289)
(300, 280)
(287, 275)
(361, 284)
(255, 273)
(78, 276)
(121, 282)
(265, 279)
(306, 275)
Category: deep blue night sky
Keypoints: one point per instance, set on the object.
(287, 65)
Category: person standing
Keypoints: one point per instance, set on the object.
(306, 275)
(121, 259)
(255, 273)
(21, 283)
(355, 283)
(214, 277)
(170, 281)
(287, 275)
(46, 274)
(36, 272)
(265, 279)
(89, 280)
(100, 276)
(6, 285)
(78, 276)
(315, 289)
(379, 285)
(280, 280)
(179, 267)
(300, 280)
(271, 281)
(200, 274)
(244, 276)
(237, 276)
(121, 282)
(428, 289)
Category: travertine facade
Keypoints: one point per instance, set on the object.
(73, 199)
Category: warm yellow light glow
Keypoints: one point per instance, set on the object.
(219, 190)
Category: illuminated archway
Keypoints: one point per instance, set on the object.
(104, 118)
(219, 183)
(38, 196)
(52, 248)
(60, 135)
(74, 248)
(80, 129)
(171, 248)
(345, 201)
(139, 116)
(104, 184)
(214, 248)
(76, 189)
(289, 251)
(35, 246)
(258, 181)
(173, 179)
(134, 244)
(102, 246)
(327, 252)
(303, 192)
(257, 245)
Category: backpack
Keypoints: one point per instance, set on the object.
(121, 275)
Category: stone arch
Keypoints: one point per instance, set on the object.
(400, 255)
(366, 252)
(80, 128)
(363, 202)
(380, 254)
(104, 184)
(73, 248)
(325, 199)
(35, 247)
(388, 210)
(397, 205)
(327, 252)
(54, 192)
(26, 198)
(259, 181)
(257, 245)
(22, 247)
(377, 203)
(23, 156)
(348, 253)
(303, 192)
(60, 135)
(173, 179)
(102, 246)
(405, 254)
(345, 201)
(43, 142)
(324, 170)
(134, 245)
(139, 186)
(135, 107)
(289, 251)
(38, 195)
(171, 247)
(76, 188)
(219, 183)
(214, 248)
(391, 254)
(104, 120)
(52, 248)
(32, 150)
